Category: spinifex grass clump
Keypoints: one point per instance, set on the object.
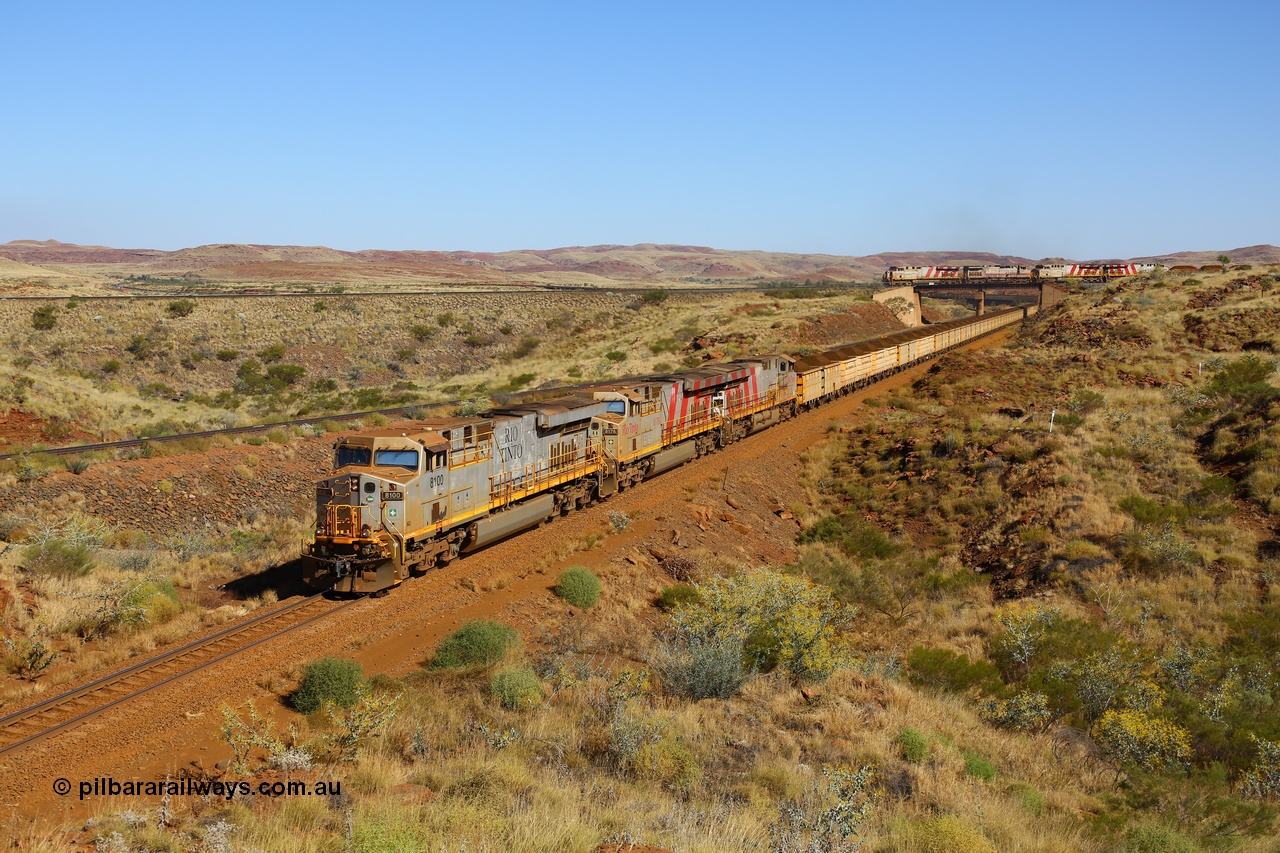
(516, 687)
(479, 643)
(327, 680)
(579, 586)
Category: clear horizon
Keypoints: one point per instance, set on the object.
(1097, 130)
(1228, 250)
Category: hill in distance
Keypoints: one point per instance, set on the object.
(604, 266)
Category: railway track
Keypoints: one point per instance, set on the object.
(509, 290)
(128, 443)
(57, 714)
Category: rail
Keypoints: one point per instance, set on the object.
(38, 722)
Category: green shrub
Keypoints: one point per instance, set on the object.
(1244, 381)
(616, 355)
(421, 333)
(111, 365)
(677, 595)
(1086, 400)
(1150, 838)
(446, 318)
(515, 383)
(271, 353)
(665, 345)
(56, 557)
(948, 670)
(181, 308)
(1069, 422)
(784, 622)
(1150, 512)
(318, 306)
(516, 687)
(856, 537)
(579, 586)
(44, 318)
(142, 347)
(285, 374)
(1136, 737)
(526, 347)
(329, 679)
(478, 643)
(654, 297)
(978, 767)
(914, 745)
(226, 355)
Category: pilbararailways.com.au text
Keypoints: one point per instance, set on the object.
(105, 786)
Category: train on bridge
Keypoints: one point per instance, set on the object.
(998, 273)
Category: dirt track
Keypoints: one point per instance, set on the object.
(725, 503)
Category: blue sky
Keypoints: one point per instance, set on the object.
(1078, 129)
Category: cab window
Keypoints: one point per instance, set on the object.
(352, 456)
(397, 459)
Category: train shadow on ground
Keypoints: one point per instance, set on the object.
(285, 579)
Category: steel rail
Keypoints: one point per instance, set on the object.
(106, 682)
(490, 290)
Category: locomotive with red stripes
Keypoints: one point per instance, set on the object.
(400, 501)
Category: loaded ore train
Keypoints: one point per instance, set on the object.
(1040, 272)
(401, 501)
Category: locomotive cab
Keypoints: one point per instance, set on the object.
(368, 507)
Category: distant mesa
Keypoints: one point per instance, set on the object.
(643, 262)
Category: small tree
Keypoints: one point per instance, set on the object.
(29, 656)
(367, 717)
(829, 817)
(1024, 627)
(243, 736)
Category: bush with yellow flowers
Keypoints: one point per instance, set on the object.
(782, 621)
(1136, 737)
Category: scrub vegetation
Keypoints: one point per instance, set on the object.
(994, 635)
(136, 369)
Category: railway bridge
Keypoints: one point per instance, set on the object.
(1018, 291)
